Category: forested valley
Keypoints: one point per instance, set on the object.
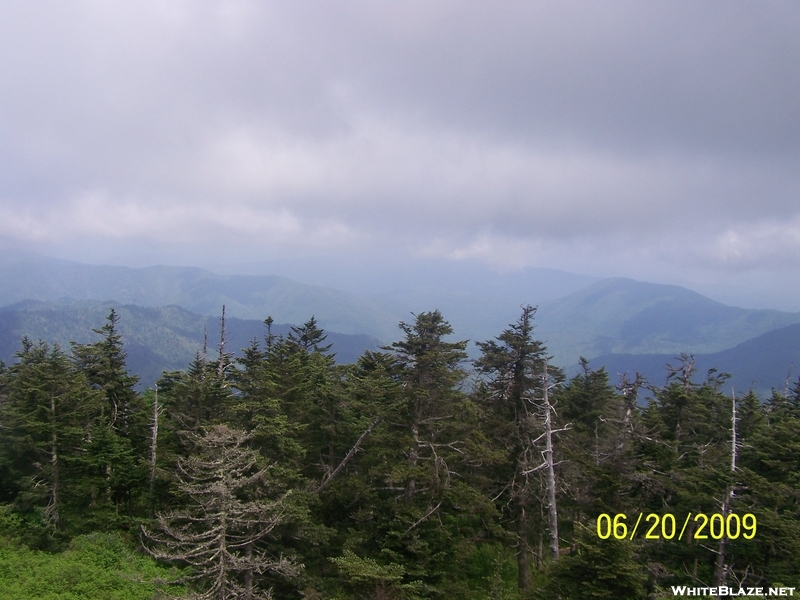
(411, 473)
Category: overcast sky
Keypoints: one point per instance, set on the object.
(658, 140)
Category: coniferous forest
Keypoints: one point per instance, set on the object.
(411, 473)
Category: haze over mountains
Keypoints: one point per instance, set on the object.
(155, 338)
(770, 360)
(26, 276)
(627, 316)
(624, 324)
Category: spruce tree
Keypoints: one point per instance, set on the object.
(104, 365)
(118, 455)
(514, 381)
(47, 423)
(309, 337)
(597, 449)
(682, 465)
(768, 486)
(430, 371)
(431, 426)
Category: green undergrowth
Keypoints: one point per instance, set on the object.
(93, 567)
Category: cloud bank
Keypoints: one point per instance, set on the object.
(611, 137)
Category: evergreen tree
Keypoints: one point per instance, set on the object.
(197, 397)
(47, 423)
(103, 364)
(683, 465)
(514, 371)
(768, 486)
(429, 371)
(117, 457)
(431, 507)
(596, 569)
(352, 496)
(309, 337)
(398, 496)
(256, 405)
(597, 449)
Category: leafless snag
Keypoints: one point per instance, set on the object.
(218, 535)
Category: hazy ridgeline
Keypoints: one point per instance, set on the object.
(623, 324)
(408, 473)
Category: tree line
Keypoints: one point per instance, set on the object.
(408, 474)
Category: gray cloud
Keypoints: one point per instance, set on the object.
(618, 136)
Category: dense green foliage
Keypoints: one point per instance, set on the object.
(94, 566)
(403, 475)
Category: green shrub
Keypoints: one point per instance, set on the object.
(94, 567)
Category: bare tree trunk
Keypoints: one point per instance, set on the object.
(733, 431)
(413, 452)
(153, 448)
(551, 474)
(205, 344)
(523, 552)
(720, 570)
(413, 459)
(221, 362)
(248, 574)
(52, 509)
(222, 576)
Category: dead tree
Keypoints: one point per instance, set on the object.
(154, 447)
(218, 534)
(552, 510)
(224, 360)
(517, 386)
(720, 569)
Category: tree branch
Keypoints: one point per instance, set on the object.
(347, 458)
(429, 513)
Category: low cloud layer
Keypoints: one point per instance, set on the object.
(657, 139)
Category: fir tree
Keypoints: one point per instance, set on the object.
(47, 424)
(125, 444)
(514, 385)
(103, 364)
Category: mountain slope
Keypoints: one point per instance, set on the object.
(478, 303)
(594, 318)
(156, 339)
(761, 363)
(630, 317)
(31, 277)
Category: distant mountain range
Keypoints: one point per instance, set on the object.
(765, 362)
(165, 310)
(623, 316)
(479, 304)
(155, 339)
(26, 276)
